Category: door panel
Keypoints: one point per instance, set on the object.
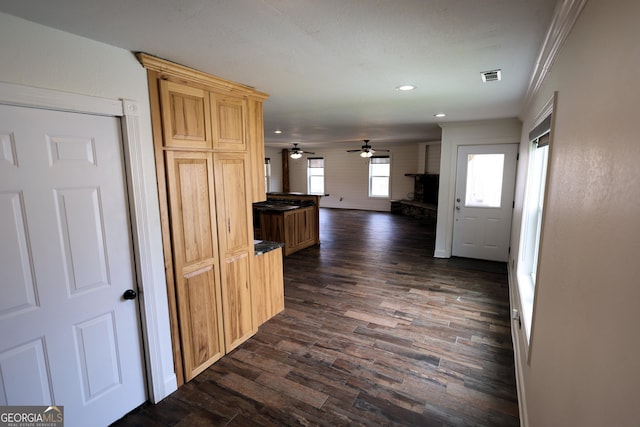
(18, 291)
(235, 234)
(79, 212)
(24, 375)
(67, 337)
(238, 321)
(98, 353)
(228, 125)
(233, 214)
(195, 254)
(202, 316)
(485, 181)
(186, 116)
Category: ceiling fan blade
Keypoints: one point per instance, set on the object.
(380, 149)
(353, 151)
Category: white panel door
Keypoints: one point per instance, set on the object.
(67, 335)
(485, 180)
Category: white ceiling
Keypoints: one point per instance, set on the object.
(331, 66)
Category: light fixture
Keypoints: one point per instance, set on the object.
(296, 152)
(277, 131)
(405, 87)
(440, 115)
(366, 150)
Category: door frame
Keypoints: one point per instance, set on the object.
(485, 132)
(510, 153)
(144, 215)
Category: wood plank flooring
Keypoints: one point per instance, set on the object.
(375, 332)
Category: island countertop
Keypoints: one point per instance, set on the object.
(263, 246)
(276, 194)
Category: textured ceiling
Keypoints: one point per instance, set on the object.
(331, 66)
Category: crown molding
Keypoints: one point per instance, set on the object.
(165, 67)
(564, 18)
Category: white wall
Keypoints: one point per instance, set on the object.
(38, 56)
(429, 157)
(507, 131)
(583, 367)
(347, 176)
(275, 155)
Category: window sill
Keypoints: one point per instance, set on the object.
(526, 293)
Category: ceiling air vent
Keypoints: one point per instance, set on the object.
(491, 76)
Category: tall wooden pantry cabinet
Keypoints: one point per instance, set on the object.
(209, 146)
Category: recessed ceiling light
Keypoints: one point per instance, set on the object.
(277, 131)
(440, 115)
(405, 87)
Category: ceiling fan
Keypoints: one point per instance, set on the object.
(366, 150)
(296, 152)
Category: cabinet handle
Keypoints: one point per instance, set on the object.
(229, 225)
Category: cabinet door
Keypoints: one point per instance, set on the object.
(235, 239)
(186, 116)
(256, 151)
(229, 115)
(195, 254)
(268, 286)
(305, 226)
(300, 226)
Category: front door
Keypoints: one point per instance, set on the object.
(485, 180)
(68, 337)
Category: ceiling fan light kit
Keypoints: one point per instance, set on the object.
(366, 150)
(296, 152)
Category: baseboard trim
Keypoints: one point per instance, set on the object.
(517, 352)
(440, 253)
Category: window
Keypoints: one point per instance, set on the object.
(532, 219)
(379, 176)
(267, 174)
(315, 175)
(484, 180)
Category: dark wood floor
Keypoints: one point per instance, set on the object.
(375, 332)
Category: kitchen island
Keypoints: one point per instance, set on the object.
(289, 218)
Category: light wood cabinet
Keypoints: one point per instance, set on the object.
(256, 135)
(186, 116)
(195, 254)
(235, 238)
(230, 114)
(204, 136)
(267, 289)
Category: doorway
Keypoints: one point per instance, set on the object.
(484, 191)
(70, 334)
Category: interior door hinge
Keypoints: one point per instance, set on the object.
(513, 204)
(517, 156)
